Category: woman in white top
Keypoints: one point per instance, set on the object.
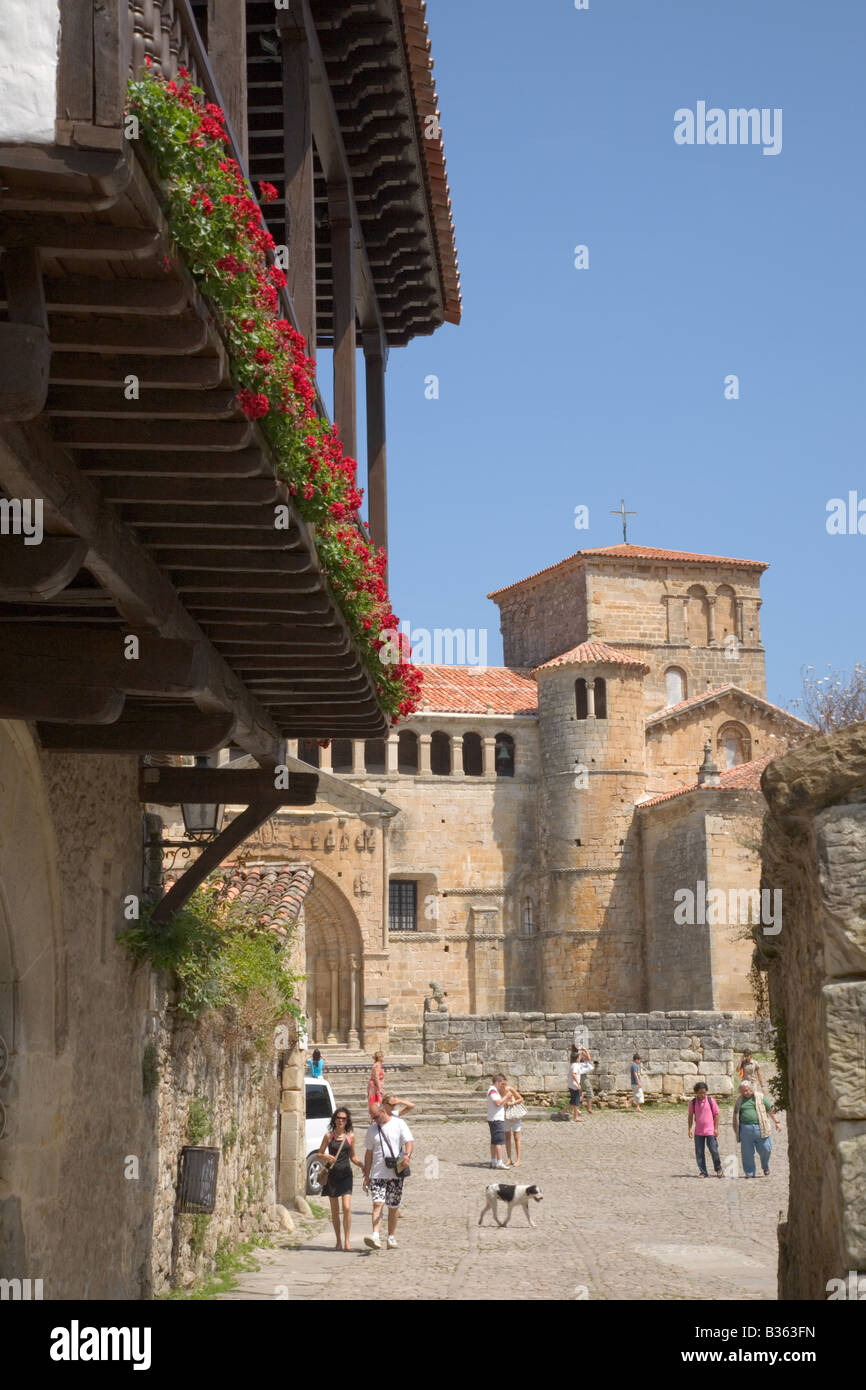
(574, 1084)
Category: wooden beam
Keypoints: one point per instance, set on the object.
(343, 258)
(298, 170)
(28, 697)
(138, 469)
(97, 241)
(109, 402)
(227, 51)
(288, 602)
(377, 471)
(97, 369)
(279, 562)
(223, 786)
(226, 435)
(273, 634)
(150, 298)
(31, 465)
(25, 349)
(172, 337)
(217, 538)
(34, 572)
(206, 496)
(244, 825)
(173, 730)
(156, 666)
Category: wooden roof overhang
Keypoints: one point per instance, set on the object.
(159, 512)
(373, 93)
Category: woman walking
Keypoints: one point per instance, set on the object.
(514, 1113)
(316, 1064)
(586, 1065)
(337, 1152)
(376, 1084)
(574, 1083)
(750, 1071)
(752, 1114)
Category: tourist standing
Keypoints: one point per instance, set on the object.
(498, 1096)
(376, 1084)
(704, 1121)
(316, 1064)
(750, 1071)
(514, 1113)
(388, 1148)
(574, 1083)
(636, 1078)
(752, 1114)
(337, 1152)
(586, 1065)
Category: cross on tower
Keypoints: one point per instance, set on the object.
(623, 514)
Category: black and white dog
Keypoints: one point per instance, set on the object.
(513, 1196)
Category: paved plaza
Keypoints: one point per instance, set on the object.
(625, 1215)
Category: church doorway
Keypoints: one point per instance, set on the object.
(334, 967)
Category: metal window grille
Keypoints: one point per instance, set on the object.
(403, 906)
(197, 1180)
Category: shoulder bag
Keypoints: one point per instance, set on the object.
(398, 1164)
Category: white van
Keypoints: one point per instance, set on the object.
(320, 1106)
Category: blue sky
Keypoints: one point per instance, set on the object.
(566, 387)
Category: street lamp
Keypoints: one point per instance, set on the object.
(202, 821)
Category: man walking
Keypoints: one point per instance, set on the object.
(636, 1078)
(704, 1120)
(498, 1094)
(388, 1148)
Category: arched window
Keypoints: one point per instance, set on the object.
(733, 745)
(341, 755)
(407, 752)
(472, 755)
(580, 700)
(699, 620)
(374, 755)
(309, 751)
(676, 688)
(440, 755)
(600, 686)
(504, 756)
(527, 925)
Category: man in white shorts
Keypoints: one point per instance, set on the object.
(389, 1141)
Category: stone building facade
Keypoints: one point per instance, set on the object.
(550, 810)
(815, 851)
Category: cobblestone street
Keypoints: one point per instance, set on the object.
(625, 1215)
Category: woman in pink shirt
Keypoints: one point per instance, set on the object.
(704, 1121)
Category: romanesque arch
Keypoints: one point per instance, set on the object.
(335, 965)
(36, 1085)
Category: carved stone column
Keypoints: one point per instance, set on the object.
(457, 755)
(711, 620)
(392, 750)
(358, 768)
(354, 1007)
(424, 743)
(334, 1008)
(488, 757)
(326, 762)
(590, 699)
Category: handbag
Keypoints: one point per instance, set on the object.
(515, 1112)
(399, 1164)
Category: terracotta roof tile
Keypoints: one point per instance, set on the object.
(593, 652)
(635, 552)
(744, 777)
(417, 42)
(274, 894)
(710, 696)
(475, 689)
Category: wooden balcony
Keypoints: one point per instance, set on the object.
(158, 511)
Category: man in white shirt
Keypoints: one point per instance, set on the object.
(389, 1139)
(497, 1099)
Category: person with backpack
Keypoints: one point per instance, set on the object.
(704, 1121)
(388, 1150)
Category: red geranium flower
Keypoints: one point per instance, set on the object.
(267, 192)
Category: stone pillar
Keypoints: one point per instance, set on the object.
(354, 1009)
(488, 757)
(590, 699)
(685, 599)
(358, 768)
(292, 747)
(290, 1163)
(326, 761)
(486, 961)
(345, 973)
(392, 748)
(334, 1005)
(424, 742)
(758, 605)
(741, 619)
(457, 755)
(711, 620)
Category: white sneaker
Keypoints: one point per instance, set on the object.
(499, 1163)
(373, 1242)
(392, 1242)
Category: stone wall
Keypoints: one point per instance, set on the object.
(815, 851)
(532, 1049)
